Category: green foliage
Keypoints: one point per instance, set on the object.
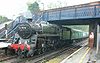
(80, 27)
(34, 7)
(3, 19)
(56, 4)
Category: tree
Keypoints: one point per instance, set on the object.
(3, 19)
(80, 27)
(56, 4)
(34, 7)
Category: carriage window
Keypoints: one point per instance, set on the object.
(33, 41)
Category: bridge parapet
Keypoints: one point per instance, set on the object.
(90, 10)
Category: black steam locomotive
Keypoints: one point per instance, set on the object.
(41, 37)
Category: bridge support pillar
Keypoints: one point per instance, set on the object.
(98, 42)
(98, 39)
(93, 28)
(96, 29)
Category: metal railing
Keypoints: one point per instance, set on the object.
(91, 10)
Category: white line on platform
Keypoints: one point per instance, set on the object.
(64, 61)
(82, 58)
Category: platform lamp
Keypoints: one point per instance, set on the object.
(6, 31)
(43, 6)
(42, 14)
(42, 10)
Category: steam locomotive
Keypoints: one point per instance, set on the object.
(37, 38)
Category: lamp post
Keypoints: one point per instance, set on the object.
(6, 31)
(43, 6)
(42, 11)
(42, 15)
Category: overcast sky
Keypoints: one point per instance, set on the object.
(10, 8)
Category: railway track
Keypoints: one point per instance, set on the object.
(42, 57)
(15, 59)
(37, 57)
(49, 57)
(4, 57)
(7, 58)
(66, 51)
(46, 56)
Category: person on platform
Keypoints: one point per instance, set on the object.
(91, 39)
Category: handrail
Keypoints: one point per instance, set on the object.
(78, 12)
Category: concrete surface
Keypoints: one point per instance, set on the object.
(85, 55)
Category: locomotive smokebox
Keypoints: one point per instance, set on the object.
(25, 31)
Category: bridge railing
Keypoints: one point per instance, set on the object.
(90, 10)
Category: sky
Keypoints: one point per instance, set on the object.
(13, 8)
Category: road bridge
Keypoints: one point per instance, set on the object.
(88, 13)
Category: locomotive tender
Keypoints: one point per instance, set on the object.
(41, 37)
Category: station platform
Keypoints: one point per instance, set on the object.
(4, 45)
(83, 55)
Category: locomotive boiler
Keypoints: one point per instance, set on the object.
(26, 30)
